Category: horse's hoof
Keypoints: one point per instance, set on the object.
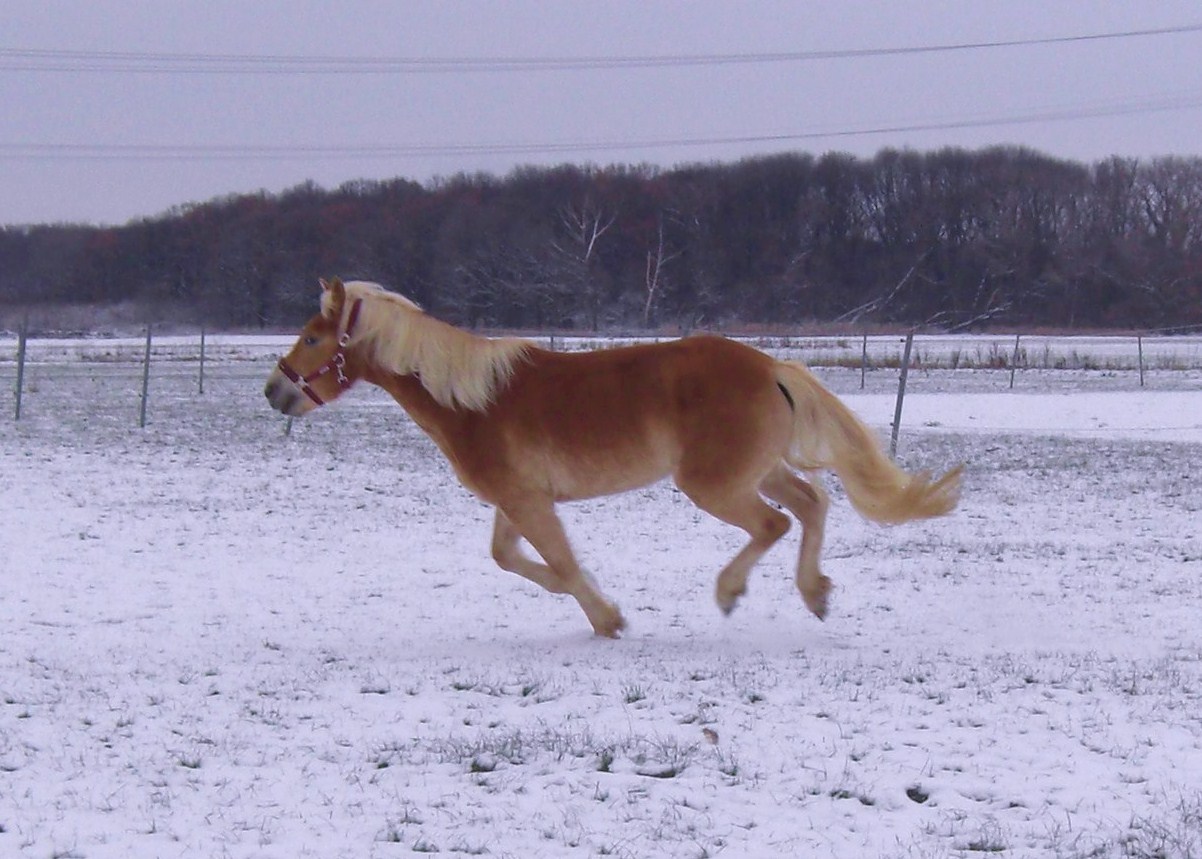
(816, 597)
(610, 626)
(728, 601)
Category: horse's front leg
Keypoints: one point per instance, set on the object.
(535, 519)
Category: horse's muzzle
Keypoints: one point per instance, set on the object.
(284, 396)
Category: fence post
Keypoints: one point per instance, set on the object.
(1014, 360)
(145, 380)
(202, 360)
(1139, 339)
(901, 393)
(22, 340)
(864, 361)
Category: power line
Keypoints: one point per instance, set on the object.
(131, 62)
(238, 152)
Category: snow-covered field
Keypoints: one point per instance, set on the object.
(220, 640)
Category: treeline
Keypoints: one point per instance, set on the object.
(951, 239)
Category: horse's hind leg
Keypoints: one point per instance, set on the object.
(509, 556)
(744, 509)
(809, 504)
(536, 521)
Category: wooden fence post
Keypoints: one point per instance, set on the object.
(1139, 339)
(864, 361)
(22, 341)
(202, 361)
(145, 380)
(901, 393)
(1014, 360)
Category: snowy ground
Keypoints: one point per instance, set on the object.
(219, 640)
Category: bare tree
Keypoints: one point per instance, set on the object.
(584, 225)
(882, 301)
(656, 260)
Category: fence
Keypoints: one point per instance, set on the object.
(994, 362)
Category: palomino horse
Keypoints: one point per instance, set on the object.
(525, 428)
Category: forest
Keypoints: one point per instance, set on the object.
(945, 240)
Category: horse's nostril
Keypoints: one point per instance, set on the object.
(270, 390)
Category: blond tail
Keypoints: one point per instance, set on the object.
(828, 435)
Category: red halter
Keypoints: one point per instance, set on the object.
(335, 364)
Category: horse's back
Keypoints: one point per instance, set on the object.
(701, 373)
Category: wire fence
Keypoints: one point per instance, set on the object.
(154, 374)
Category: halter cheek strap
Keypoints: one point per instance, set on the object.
(335, 364)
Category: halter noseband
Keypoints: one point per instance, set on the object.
(336, 362)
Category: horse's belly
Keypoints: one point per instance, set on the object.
(590, 476)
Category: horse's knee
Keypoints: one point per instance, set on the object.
(504, 552)
(506, 561)
(774, 526)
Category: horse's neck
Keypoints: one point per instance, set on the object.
(437, 420)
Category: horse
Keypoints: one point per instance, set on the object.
(525, 428)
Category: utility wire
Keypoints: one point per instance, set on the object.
(130, 62)
(236, 152)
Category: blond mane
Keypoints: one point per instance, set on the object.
(458, 369)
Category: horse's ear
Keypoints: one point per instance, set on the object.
(333, 296)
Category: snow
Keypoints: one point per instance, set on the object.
(221, 640)
(1136, 415)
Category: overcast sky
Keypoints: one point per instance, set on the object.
(218, 97)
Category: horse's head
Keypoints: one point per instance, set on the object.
(316, 371)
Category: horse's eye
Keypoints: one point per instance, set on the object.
(310, 340)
